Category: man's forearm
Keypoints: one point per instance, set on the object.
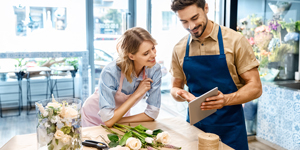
(175, 95)
(249, 92)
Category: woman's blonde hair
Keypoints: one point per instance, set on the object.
(130, 42)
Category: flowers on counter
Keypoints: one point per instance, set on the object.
(59, 125)
(138, 137)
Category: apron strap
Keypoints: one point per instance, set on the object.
(220, 41)
(187, 49)
(121, 81)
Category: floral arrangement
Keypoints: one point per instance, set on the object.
(59, 126)
(298, 25)
(275, 28)
(262, 37)
(138, 137)
(290, 27)
(254, 20)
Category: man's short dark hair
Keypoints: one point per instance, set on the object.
(181, 4)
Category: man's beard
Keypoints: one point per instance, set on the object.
(197, 35)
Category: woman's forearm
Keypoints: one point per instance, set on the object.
(121, 111)
(142, 117)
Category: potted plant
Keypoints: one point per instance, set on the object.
(73, 61)
(19, 68)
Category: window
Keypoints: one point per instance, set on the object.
(32, 25)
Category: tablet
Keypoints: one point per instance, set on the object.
(195, 112)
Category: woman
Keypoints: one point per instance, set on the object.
(133, 76)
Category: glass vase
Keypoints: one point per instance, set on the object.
(59, 124)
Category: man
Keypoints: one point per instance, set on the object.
(214, 56)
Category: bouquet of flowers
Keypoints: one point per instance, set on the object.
(138, 137)
(262, 37)
(59, 124)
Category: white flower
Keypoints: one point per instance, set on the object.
(47, 125)
(54, 119)
(59, 134)
(66, 139)
(69, 112)
(41, 108)
(45, 114)
(149, 132)
(163, 138)
(54, 105)
(133, 143)
(149, 140)
(119, 148)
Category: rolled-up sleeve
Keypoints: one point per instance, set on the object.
(107, 90)
(154, 99)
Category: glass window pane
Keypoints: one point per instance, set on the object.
(32, 25)
(109, 25)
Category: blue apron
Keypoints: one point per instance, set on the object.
(204, 73)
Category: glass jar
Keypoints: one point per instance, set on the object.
(59, 124)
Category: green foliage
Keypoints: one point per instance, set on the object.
(264, 62)
(278, 52)
(51, 147)
(125, 137)
(113, 144)
(141, 128)
(56, 141)
(73, 62)
(155, 132)
(113, 137)
(20, 62)
(290, 27)
(51, 129)
(54, 110)
(255, 20)
(65, 147)
(298, 25)
(66, 129)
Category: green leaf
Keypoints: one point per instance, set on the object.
(52, 128)
(66, 129)
(113, 144)
(51, 147)
(125, 137)
(141, 128)
(113, 137)
(56, 141)
(140, 137)
(49, 142)
(155, 132)
(65, 147)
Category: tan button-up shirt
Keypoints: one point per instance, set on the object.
(239, 53)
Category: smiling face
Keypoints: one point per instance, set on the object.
(145, 55)
(194, 19)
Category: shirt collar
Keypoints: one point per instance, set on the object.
(140, 77)
(213, 35)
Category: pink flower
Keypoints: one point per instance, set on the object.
(251, 41)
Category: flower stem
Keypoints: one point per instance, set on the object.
(111, 131)
(120, 129)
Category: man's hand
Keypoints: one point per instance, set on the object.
(215, 102)
(185, 95)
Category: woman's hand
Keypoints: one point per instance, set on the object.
(143, 87)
